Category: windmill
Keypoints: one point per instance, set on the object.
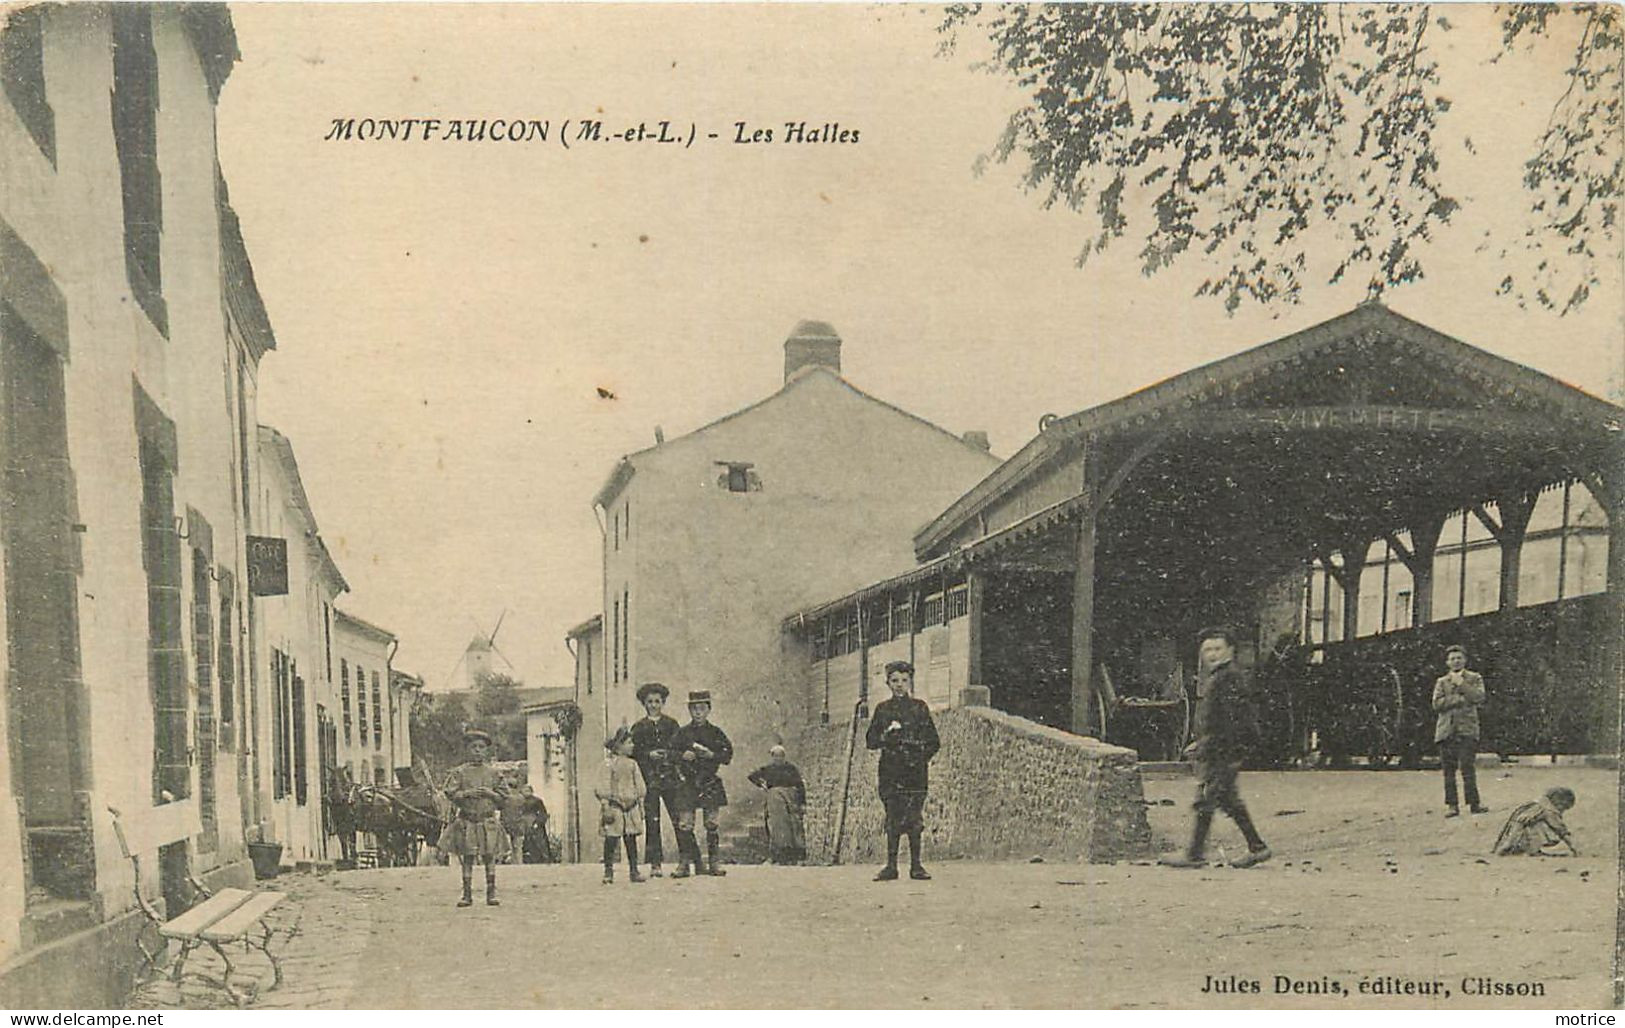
(477, 659)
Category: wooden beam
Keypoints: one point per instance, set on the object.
(974, 581)
(1488, 522)
(1350, 581)
(1515, 510)
(1425, 527)
(1083, 628)
(1425, 421)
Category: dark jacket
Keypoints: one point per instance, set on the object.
(905, 755)
(700, 774)
(1226, 717)
(780, 776)
(649, 737)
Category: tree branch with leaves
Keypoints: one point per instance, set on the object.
(1286, 142)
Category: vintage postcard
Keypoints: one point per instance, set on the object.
(811, 506)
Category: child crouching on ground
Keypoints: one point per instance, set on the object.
(622, 805)
(1537, 828)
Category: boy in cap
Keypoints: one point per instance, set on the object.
(701, 748)
(652, 749)
(475, 833)
(621, 804)
(902, 730)
(1226, 730)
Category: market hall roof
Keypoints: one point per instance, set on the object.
(1369, 323)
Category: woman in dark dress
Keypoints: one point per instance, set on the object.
(786, 803)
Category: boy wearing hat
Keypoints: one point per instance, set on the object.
(652, 749)
(475, 832)
(621, 800)
(1226, 730)
(902, 730)
(701, 748)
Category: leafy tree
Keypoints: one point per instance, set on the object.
(437, 721)
(496, 693)
(1245, 133)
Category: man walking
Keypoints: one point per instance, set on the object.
(701, 748)
(652, 749)
(1226, 729)
(902, 730)
(1457, 695)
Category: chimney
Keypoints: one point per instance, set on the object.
(812, 344)
(977, 439)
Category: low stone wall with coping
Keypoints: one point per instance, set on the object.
(1002, 788)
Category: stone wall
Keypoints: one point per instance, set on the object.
(1002, 787)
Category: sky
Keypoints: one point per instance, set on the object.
(448, 313)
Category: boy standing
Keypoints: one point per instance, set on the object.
(621, 805)
(701, 748)
(475, 833)
(652, 749)
(1226, 729)
(1457, 695)
(902, 730)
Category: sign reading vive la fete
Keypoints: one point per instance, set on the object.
(267, 566)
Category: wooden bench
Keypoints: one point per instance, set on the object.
(230, 915)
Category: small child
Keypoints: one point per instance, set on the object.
(621, 813)
(1537, 828)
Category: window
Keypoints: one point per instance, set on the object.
(615, 641)
(22, 73)
(226, 666)
(933, 610)
(626, 519)
(203, 663)
(135, 135)
(164, 564)
(958, 601)
(902, 619)
(344, 697)
(615, 523)
(327, 637)
(626, 633)
(301, 771)
(361, 704)
(738, 477)
(281, 726)
(377, 714)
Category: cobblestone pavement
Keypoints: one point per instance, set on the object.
(1369, 884)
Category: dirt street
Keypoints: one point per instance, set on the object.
(1369, 884)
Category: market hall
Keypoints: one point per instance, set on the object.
(1351, 498)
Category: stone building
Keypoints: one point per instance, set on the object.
(130, 336)
(711, 536)
(295, 647)
(368, 711)
(407, 689)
